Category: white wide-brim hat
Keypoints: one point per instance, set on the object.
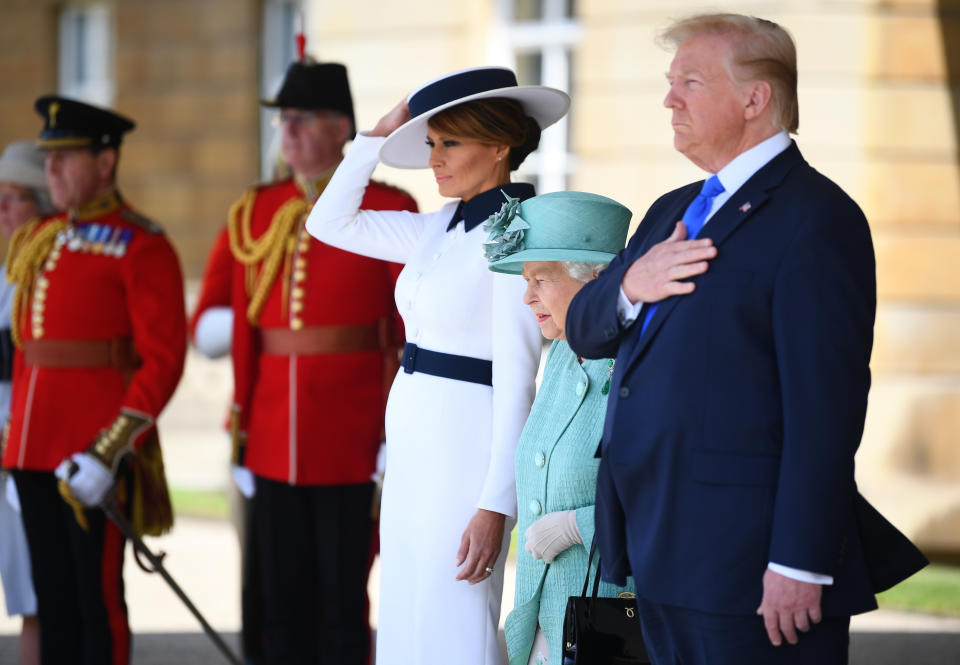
(406, 146)
(22, 164)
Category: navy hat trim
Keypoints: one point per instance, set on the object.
(459, 86)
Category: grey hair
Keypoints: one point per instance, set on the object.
(583, 271)
(41, 196)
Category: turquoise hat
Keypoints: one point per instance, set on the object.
(560, 226)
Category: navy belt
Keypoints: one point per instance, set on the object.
(447, 365)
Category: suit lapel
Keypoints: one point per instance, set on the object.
(738, 208)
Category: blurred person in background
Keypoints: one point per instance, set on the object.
(23, 196)
(100, 329)
(314, 341)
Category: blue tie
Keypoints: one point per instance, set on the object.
(694, 217)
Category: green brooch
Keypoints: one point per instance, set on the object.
(606, 384)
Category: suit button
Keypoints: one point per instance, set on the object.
(624, 392)
(540, 459)
(581, 388)
(535, 507)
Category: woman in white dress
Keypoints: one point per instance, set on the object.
(459, 402)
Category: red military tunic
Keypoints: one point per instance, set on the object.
(109, 274)
(217, 275)
(310, 419)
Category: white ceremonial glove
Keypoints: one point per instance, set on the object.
(214, 332)
(377, 475)
(11, 493)
(90, 482)
(552, 534)
(243, 479)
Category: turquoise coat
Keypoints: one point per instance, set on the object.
(557, 470)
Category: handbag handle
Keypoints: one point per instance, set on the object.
(596, 579)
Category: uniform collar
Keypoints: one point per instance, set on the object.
(311, 188)
(481, 206)
(99, 205)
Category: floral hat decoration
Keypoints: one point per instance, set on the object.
(560, 226)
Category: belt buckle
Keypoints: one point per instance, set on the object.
(409, 358)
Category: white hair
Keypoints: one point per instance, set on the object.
(583, 271)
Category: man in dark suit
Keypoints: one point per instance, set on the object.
(742, 370)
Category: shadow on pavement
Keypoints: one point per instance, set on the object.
(865, 649)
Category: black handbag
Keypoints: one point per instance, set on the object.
(602, 631)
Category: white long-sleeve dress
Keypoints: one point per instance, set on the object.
(450, 443)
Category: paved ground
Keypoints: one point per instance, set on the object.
(202, 556)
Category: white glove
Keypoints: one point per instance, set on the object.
(11, 493)
(214, 332)
(552, 534)
(243, 479)
(377, 475)
(90, 482)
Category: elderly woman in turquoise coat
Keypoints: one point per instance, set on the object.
(557, 242)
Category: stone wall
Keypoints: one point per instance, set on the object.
(186, 72)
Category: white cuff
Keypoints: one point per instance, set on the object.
(800, 575)
(626, 310)
(214, 332)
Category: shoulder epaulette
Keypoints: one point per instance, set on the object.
(137, 219)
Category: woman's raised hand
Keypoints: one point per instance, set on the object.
(398, 115)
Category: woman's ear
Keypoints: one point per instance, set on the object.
(502, 152)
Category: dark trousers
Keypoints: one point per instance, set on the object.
(251, 591)
(680, 636)
(78, 577)
(313, 547)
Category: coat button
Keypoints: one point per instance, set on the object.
(624, 392)
(581, 388)
(540, 459)
(535, 507)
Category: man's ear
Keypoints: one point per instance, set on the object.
(344, 128)
(107, 163)
(758, 100)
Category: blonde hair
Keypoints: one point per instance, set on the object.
(762, 51)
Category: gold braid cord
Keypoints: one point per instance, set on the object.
(28, 251)
(263, 256)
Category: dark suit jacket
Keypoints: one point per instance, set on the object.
(734, 418)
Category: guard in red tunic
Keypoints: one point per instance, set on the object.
(314, 336)
(100, 329)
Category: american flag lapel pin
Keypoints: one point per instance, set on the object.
(745, 207)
